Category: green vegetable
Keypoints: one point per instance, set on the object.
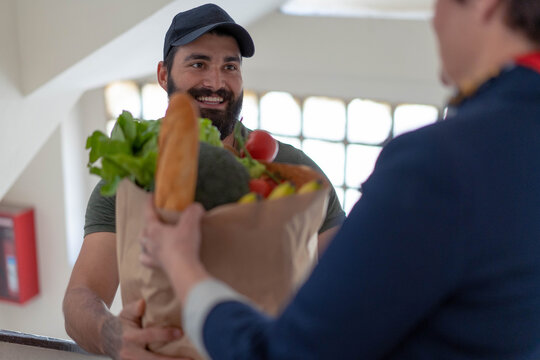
(131, 151)
(208, 133)
(254, 168)
(221, 179)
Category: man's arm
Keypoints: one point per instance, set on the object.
(324, 239)
(89, 295)
(90, 292)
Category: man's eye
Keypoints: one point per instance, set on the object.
(197, 65)
(231, 67)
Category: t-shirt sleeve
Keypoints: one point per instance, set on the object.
(334, 213)
(100, 212)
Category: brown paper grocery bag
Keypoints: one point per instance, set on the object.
(263, 250)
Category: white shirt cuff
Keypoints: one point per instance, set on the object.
(200, 301)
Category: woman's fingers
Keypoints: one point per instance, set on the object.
(191, 216)
(159, 239)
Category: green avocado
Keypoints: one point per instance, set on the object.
(221, 178)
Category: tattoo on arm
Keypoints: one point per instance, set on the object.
(111, 333)
(85, 329)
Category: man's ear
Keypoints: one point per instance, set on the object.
(162, 75)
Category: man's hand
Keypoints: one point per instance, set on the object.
(124, 338)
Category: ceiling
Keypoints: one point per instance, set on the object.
(400, 9)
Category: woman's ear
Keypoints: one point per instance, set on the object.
(489, 9)
(162, 75)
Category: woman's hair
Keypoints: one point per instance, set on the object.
(523, 16)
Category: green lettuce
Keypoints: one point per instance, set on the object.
(208, 133)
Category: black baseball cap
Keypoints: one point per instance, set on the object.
(189, 25)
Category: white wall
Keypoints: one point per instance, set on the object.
(56, 34)
(41, 185)
(9, 61)
(388, 60)
(87, 116)
(57, 185)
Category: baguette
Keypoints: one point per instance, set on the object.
(178, 144)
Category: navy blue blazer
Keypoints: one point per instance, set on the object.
(439, 259)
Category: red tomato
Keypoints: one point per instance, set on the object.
(262, 186)
(262, 146)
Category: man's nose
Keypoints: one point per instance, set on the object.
(213, 79)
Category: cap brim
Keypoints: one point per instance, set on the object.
(245, 43)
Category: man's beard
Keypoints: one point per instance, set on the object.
(224, 120)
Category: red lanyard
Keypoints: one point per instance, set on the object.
(531, 60)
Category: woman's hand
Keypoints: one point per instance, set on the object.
(174, 248)
(161, 242)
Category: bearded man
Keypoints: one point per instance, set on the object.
(202, 55)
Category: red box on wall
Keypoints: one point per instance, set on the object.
(18, 256)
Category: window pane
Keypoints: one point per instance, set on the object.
(360, 162)
(369, 122)
(280, 114)
(324, 118)
(250, 110)
(154, 101)
(351, 197)
(289, 140)
(123, 95)
(411, 117)
(329, 156)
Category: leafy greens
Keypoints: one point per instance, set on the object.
(131, 151)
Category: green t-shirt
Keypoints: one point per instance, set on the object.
(100, 212)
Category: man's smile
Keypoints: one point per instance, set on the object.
(210, 100)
